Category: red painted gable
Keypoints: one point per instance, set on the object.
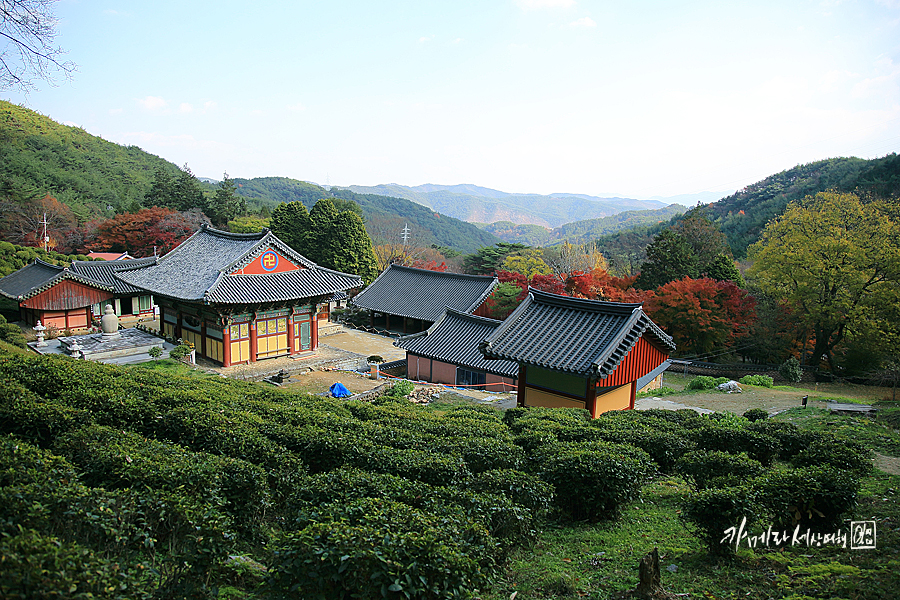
(66, 295)
(267, 263)
(640, 360)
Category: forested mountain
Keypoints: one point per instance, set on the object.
(743, 215)
(581, 232)
(385, 216)
(475, 204)
(88, 174)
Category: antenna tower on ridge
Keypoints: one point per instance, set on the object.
(404, 233)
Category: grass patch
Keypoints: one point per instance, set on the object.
(171, 367)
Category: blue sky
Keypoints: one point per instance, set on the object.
(631, 98)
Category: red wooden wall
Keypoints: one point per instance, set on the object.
(640, 360)
(66, 295)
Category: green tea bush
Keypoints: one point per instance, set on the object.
(25, 414)
(593, 481)
(401, 389)
(39, 566)
(756, 414)
(713, 511)
(547, 418)
(790, 438)
(714, 468)
(482, 454)
(373, 548)
(521, 488)
(703, 382)
(665, 448)
(510, 524)
(757, 380)
(817, 497)
(347, 484)
(420, 465)
(838, 452)
(761, 447)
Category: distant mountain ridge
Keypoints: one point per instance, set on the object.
(475, 204)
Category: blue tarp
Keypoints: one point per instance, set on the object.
(338, 390)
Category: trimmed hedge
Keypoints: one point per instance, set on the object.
(593, 481)
(757, 380)
(712, 512)
(714, 468)
(817, 497)
(373, 548)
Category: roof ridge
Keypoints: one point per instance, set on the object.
(573, 302)
(442, 273)
(471, 317)
(234, 236)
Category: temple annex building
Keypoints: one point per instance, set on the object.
(240, 297)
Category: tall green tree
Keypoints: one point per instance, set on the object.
(669, 258)
(836, 261)
(225, 204)
(332, 239)
(290, 221)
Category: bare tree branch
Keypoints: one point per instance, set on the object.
(28, 53)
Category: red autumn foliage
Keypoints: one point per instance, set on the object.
(549, 283)
(600, 285)
(139, 233)
(430, 265)
(702, 315)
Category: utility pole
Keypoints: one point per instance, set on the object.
(404, 233)
(45, 240)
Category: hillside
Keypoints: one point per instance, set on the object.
(85, 172)
(744, 214)
(385, 216)
(475, 204)
(581, 232)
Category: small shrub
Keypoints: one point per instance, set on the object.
(712, 512)
(372, 548)
(705, 468)
(757, 380)
(593, 480)
(179, 351)
(522, 488)
(155, 352)
(402, 389)
(761, 447)
(840, 453)
(790, 370)
(756, 414)
(790, 438)
(375, 359)
(703, 382)
(816, 497)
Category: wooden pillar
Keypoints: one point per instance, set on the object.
(520, 391)
(201, 351)
(226, 346)
(253, 341)
(314, 332)
(590, 400)
(371, 318)
(633, 393)
(387, 321)
(162, 321)
(404, 325)
(290, 332)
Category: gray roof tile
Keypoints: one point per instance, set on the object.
(34, 278)
(105, 271)
(585, 337)
(454, 339)
(423, 294)
(197, 270)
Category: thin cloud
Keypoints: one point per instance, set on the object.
(538, 4)
(583, 23)
(116, 111)
(457, 40)
(185, 108)
(425, 38)
(153, 103)
(298, 107)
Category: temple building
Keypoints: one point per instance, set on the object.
(409, 300)
(579, 353)
(447, 352)
(75, 297)
(239, 297)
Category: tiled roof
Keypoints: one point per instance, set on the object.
(196, 271)
(39, 276)
(585, 337)
(105, 271)
(454, 339)
(423, 294)
(110, 255)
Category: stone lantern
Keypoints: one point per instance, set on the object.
(40, 334)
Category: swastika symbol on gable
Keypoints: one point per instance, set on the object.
(269, 261)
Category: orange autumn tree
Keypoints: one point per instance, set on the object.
(702, 315)
(140, 233)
